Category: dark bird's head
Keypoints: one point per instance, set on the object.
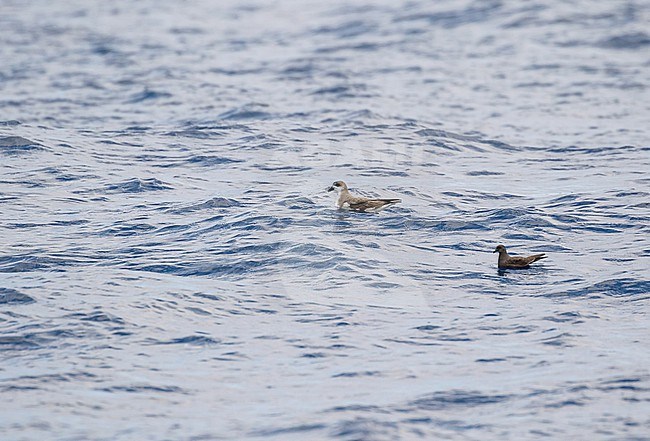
(499, 249)
(338, 186)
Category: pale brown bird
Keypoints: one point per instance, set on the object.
(516, 262)
(356, 203)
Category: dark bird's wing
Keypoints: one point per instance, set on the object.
(523, 262)
(536, 257)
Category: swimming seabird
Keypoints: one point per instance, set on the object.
(357, 203)
(516, 262)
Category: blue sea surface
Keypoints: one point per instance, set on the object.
(172, 267)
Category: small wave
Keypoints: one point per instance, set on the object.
(60, 175)
(248, 112)
(236, 72)
(16, 144)
(572, 317)
(10, 296)
(347, 29)
(635, 40)
(366, 429)
(172, 229)
(216, 202)
(65, 377)
(98, 316)
(344, 91)
(18, 342)
(142, 389)
(632, 384)
(436, 225)
(148, 95)
(58, 223)
(614, 288)
(484, 173)
(41, 339)
(297, 203)
(490, 360)
(211, 161)
(428, 328)
(136, 185)
(197, 132)
(607, 150)
(298, 70)
(364, 170)
(284, 169)
(519, 214)
(209, 297)
(560, 340)
(356, 374)
(10, 388)
(195, 340)
(362, 47)
(301, 428)
(456, 398)
(122, 229)
(27, 263)
(475, 13)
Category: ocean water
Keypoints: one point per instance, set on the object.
(172, 268)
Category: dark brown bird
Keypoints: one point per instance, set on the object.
(356, 203)
(516, 262)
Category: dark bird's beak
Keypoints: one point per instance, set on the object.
(331, 188)
(495, 251)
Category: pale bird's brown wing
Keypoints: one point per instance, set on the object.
(363, 204)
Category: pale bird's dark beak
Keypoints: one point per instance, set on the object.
(331, 188)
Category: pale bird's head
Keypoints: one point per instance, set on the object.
(499, 249)
(338, 186)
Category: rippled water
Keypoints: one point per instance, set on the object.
(171, 266)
